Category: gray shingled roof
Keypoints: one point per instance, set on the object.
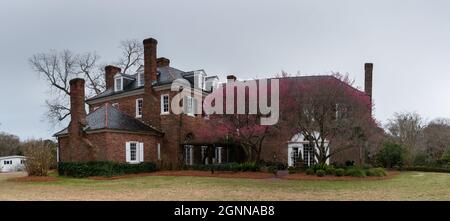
(108, 117)
(166, 75)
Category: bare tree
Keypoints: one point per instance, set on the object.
(331, 114)
(39, 156)
(59, 67)
(406, 129)
(436, 138)
(132, 55)
(9, 144)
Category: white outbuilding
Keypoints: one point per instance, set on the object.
(12, 163)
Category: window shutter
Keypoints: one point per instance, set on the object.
(141, 152)
(185, 110)
(194, 106)
(127, 152)
(159, 151)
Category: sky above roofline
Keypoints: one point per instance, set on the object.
(407, 40)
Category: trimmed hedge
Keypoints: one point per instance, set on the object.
(249, 166)
(320, 173)
(339, 172)
(376, 172)
(355, 172)
(102, 168)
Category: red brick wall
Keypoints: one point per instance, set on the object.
(109, 146)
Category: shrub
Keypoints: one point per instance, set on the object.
(376, 172)
(422, 159)
(320, 173)
(330, 170)
(272, 169)
(250, 166)
(309, 171)
(39, 157)
(349, 163)
(235, 167)
(278, 165)
(339, 172)
(317, 167)
(292, 170)
(391, 155)
(355, 172)
(446, 157)
(102, 168)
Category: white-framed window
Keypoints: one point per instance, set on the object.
(118, 84)
(308, 154)
(189, 154)
(158, 151)
(204, 154)
(22, 162)
(218, 155)
(134, 152)
(7, 162)
(165, 104)
(141, 79)
(190, 105)
(116, 105)
(139, 103)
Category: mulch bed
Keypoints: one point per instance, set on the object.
(245, 175)
(220, 174)
(194, 173)
(34, 179)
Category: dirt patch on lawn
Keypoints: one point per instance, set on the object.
(33, 179)
(303, 176)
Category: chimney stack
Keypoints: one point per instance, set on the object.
(110, 71)
(162, 62)
(368, 68)
(78, 118)
(150, 109)
(231, 78)
(77, 106)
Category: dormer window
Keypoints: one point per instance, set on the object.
(200, 80)
(141, 79)
(118, 83)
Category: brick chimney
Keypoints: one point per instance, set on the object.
(151, 107)
(110, 71)
(78, 116)
(368, 68)
(231, 78)
(162, 62)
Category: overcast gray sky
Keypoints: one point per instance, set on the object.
(407, 40)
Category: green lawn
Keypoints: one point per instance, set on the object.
(405, 186)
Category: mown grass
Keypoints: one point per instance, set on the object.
(405, 186)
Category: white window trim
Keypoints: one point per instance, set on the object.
(116, 105)
(190, 100)
(139, 152)
(189, 158)
(140, 82)
(121, 84)
(163, 112)
(137, 107)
